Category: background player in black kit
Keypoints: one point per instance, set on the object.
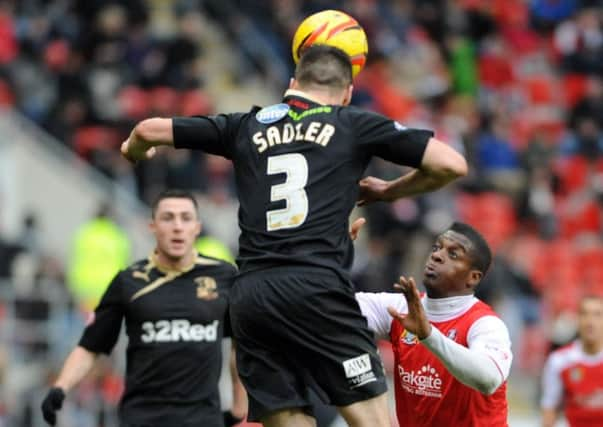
(175, 308)
(297, 167)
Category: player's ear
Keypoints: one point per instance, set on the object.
(348, 95)
(292, 83)
(199, 227)
(474, 277)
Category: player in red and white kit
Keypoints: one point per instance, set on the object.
(573, 375)
(452, 352)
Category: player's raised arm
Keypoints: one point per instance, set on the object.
(442, 161)
(484, 365)
(440, 165)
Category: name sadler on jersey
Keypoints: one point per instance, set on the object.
(317, 132)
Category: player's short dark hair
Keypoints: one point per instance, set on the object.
(173, 193)
(480, 253)
(324, 65)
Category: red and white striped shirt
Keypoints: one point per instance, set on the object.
(574, 380)
(456, 376)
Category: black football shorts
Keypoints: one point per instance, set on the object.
(298, 328)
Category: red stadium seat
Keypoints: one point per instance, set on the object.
(590, 261)
(573, 173)
(90, 138)
(575, 220)
(7, 98)
(574, 88)
(540, 90)
(164, 101)
(512, 13)
(134, 102)
(495, 72)
(195, 102)
(9, 45)
(389, 99)
(56, 55)
(552, 259)
(493, 214)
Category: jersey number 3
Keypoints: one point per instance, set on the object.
(295, 167)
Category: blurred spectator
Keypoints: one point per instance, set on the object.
(30, 234)
(572, 376)
(212, 247)
(496, 158)
(586, 140)
(580, 42)
(100, 249)
(591, 105)
(8, 252)
(463, 65)
(546, 14)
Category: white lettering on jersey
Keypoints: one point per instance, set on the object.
(260, 141)
(317, 132)
(178, 330)
(425, 381)
(359, 371)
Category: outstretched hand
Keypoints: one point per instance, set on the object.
(134, 149)
(355, 228)
(372, 190)
(416, 320)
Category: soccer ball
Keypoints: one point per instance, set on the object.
(336, 29)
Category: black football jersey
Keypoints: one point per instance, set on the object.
(297, 166)
(175, 321)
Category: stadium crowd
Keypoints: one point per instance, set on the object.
(515, 85)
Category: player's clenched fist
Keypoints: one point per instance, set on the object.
(51, 404)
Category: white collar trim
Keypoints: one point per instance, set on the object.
(589, 358)
(444, 309)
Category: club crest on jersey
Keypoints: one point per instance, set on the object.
(408, 338)
(452, 334)
(207, 288)
(576, 374)
(272, 113)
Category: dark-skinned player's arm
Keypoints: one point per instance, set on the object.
(355, 227)
(484, 365)
(440, 165)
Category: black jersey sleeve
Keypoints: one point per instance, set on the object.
(212, 134)
(102, 332)
(380, 136)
